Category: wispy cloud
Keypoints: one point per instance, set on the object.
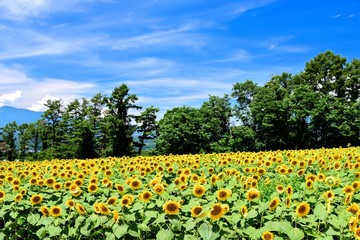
(20, 10)
(180, 36)
(10, 97)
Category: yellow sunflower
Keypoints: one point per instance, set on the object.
(135, 184)
(80, 209)
(198, 190)
(111, 200)
(252, 194)
(44, 211)
(120, 188)
(36, 199)
(2, 195)
(329, 195)
(171, 207)
(70, 203)
(267, 236)
(104, 209)
(244, 211)
(197, 211)
(274, 203)
(302, 209)
(159, 188)
(216, 212)
(223, 194)
(145, 196)
(116, 216)
(55, 211)
(18, 197)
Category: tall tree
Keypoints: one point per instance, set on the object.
(121, 126)
(147, 126)
(325, 74)
(8, 135)
(180, 131)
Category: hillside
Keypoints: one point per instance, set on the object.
(20, 116)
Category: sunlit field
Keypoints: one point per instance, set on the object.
(307, 194)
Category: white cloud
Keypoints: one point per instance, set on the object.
(31, 93)
(39, 106)
(10, 97)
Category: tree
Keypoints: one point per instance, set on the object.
(352, 81)
(244, 94)
(8, 135)
(121, 127)
(180, 131)
(325, 74)
(216, 114)
(147, 127)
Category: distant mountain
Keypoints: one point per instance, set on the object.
(20, 116)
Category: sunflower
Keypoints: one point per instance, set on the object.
(252, 194)
(145, 196)
(274, 203)
(223, 194)
(18, 197)
(244, 210)
(92, 188)
(75, 190)
(2, 195)
(108, 173)
(214, 179)
(104, 209)
(111, 200)
(44, 211)
(309, 183)
(267, 236)
(67, 184)
(356, 185)
(57, 186)
(302, 209)
(135, 184)
(79, 182)
(49, 182)
(116, 215)
(197, 211)
(348, 199)
(80, 209)
(300, 172)
(216, 212)
(289, 190)
(349, 190)
(159, 188)
(329, 195)
(70, 203)
(33, 181)
(36, 199)
(353, 222)
(171, 207)
(198, 190)
(280, 188)
(353, 208)
(96, 207)
(55, 211)
(127, 200)
(120, 188)
(357, 233)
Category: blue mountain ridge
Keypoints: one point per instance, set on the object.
(20, 116)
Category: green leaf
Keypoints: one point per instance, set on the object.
(176, 223)
(151, 214)
(252, 232)
(120, 230)
(295, 234)
(41, 232)
(33, 218)
(14, 214)
(190, 237)
(160, 219)
(252, 214)
(110, 236)
(164, 234)
(54, 231)
(320, 212)
(206, 232)
(189, 224)
(137, 206)
(144, 227)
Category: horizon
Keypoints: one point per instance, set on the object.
(168, 54)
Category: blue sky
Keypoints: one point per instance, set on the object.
(169, 53)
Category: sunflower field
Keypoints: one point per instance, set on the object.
(304, 194)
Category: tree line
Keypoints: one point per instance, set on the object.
(319, 107)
